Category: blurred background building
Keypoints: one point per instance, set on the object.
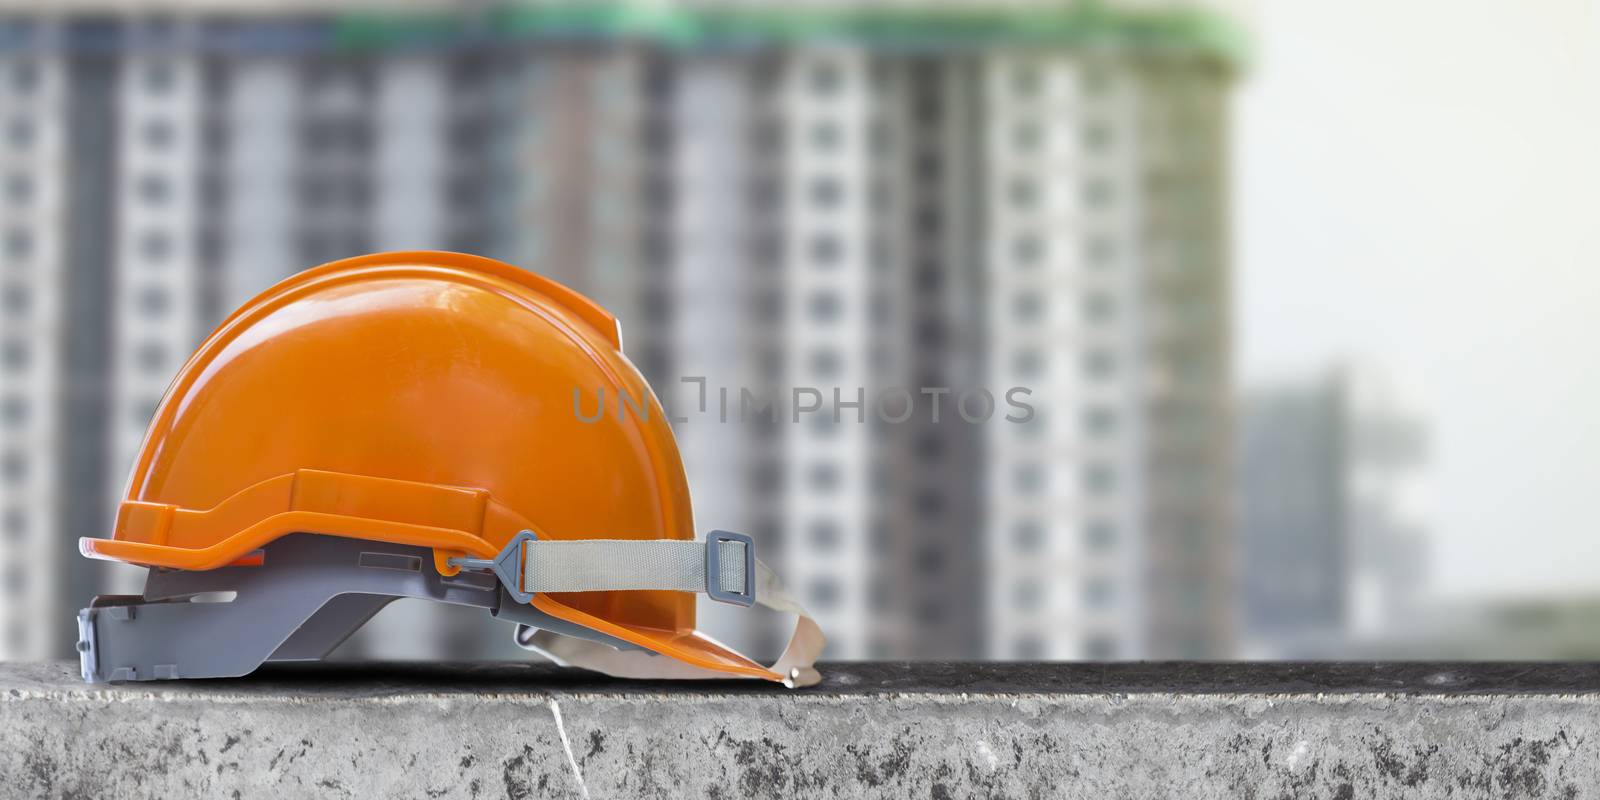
(841, 197)
(1331, 497)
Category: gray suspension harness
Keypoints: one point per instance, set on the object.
(311, 592)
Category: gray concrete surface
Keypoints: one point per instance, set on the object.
(871, 730)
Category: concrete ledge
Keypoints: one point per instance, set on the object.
(880, 730)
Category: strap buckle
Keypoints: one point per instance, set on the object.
(714, 542)
(507, 566)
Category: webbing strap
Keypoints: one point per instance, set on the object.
(593, 565)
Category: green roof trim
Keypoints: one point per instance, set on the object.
(1183, 30)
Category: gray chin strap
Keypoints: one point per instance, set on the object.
(311, 592)
(723, 566)
(796, 665)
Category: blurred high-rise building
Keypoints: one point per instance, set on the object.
(1332, 496)
(917, 196)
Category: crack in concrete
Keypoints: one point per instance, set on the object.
(561, 729)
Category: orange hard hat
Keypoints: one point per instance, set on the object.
(425, 403)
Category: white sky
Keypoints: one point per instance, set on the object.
(1418, 184)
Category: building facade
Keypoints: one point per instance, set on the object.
(935, 210)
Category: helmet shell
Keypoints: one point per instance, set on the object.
(425, 398)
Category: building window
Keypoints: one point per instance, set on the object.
(16, 299)
(1026, 136)
(1099, 364)
(1099, 478)
(825, 250)
(1096, 137)
(826, 192)
(878, 196)
(826, 79)
(16, 579)
(825, 135)
(766, 478)
(153, 301)
(19, 243)
(15, 355)
(1034, 428)
(151, 357)
(14, 466)
(14, 411)
(24, 77)
(1026, 80)
(1096, 81)
(159, 77)
(1028, 306)
(1100, 648)
(16, 524)
(1097, 593)
(1099, 421)
(1027, 595)
(1100, 251)
(823, 593)
(878, 139)
(20, 134)
(1100, 535)
(824, 535)
(1028, 363)
(19, 189)
(927, 105)
(1027, 250)
(1029, 478)
(153, 189)
(331, 135)
(824, 477)
(216, 137)
(155, 246)
(825, 306)
(1024, 193)
(823, 426)
(1028, 536)
(824, 363)
(1099, 307)
(767, 531)
(1027, 648)
(878, 537)
(1097, 194)
(157, 134)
